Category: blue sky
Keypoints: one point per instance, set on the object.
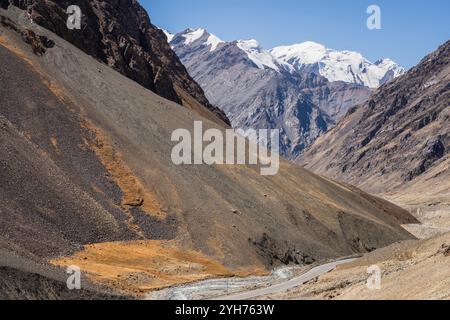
(410, 28)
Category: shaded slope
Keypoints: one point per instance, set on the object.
(399, 139)
(21, 285)
(80, 143)
(24, 279)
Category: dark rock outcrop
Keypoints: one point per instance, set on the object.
(39, 44)
(120, 34)
(4, 4)
(445, 250)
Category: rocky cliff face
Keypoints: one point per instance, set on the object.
(333, 98)
(120, 34)
(399, 136)
(258, 91)
(4, 4)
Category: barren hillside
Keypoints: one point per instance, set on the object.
(87, 178)
(399, 139)
(397, 144)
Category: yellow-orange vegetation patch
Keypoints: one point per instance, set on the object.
(135, 194)
(141, 266)
(55, 89)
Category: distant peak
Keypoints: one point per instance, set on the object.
(335, 65)
(213, 41)
(311, 44)
(307, 45)
(384, 61)
(196, 30)
(191, 36)
(251, 43)
(261, 58)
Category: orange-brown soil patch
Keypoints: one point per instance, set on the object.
(135, 194)
(140, 266)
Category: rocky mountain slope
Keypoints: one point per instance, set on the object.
(257, 90)
(396, 145)
(399, 139)
(87, 179)
(120, 34)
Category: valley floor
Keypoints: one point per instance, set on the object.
(413, 269)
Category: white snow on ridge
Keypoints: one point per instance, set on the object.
(388, 64)
(260, 57)
(168, 34)
(192, 35)
(310, 52)
(347, 66)
(213, 41)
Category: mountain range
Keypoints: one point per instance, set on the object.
(88, 180)
(335, 65)
(398, 139)
(303, 90)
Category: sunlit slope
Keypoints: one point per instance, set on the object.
(85, 153)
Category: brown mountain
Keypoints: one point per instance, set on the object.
(399, 140)
(87, 180)
(120, 34)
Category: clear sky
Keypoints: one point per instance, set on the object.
(410, 28)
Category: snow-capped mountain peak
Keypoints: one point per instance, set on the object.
(198, 36)
(213, 41)
(347, 66)
(306, 52)
(260, 57)
(257, 90)
(310, 57)
(391, 66)
(192, 35)
(257, 55)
